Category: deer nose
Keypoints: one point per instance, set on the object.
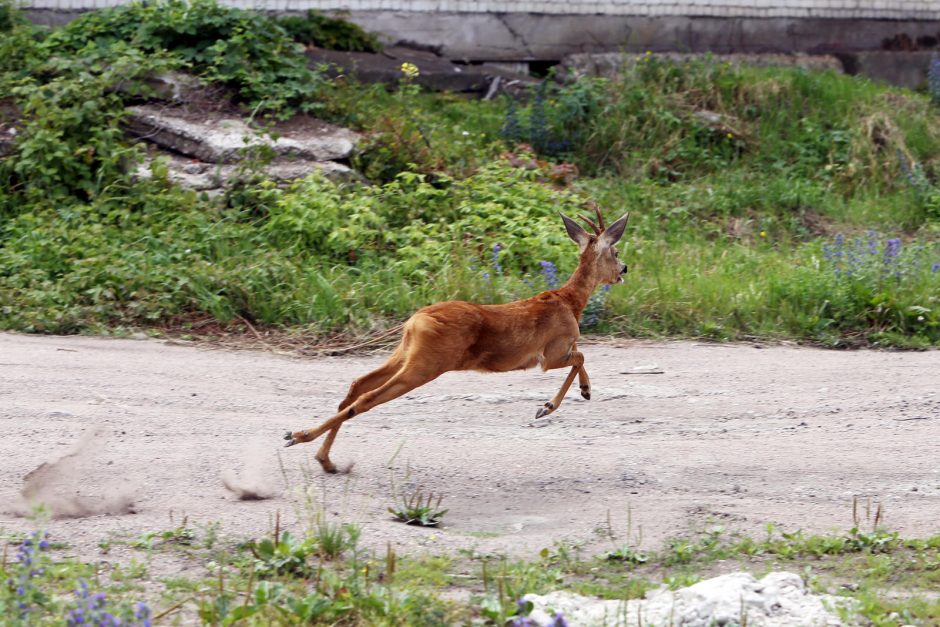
(624, 269)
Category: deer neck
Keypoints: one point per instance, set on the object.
(580, 286)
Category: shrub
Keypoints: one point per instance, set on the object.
(318, 30)
(246, 51)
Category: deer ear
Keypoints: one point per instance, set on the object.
(614, 232)
(575, 232)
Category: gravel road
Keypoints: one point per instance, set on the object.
(124, 437)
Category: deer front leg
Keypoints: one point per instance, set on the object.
(574, 359)
(584, 383)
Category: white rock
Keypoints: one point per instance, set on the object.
(212, 177)
(780, 599)
(224, 139)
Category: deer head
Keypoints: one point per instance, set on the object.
(599, 250)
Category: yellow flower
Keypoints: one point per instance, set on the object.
(410, 70)
(763, 233)
(730, 136)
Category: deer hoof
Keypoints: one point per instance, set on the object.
(290, 439)
(586, 394)
(544, 411)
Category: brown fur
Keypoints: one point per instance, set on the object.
(456, 335)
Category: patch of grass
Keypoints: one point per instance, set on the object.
(430, 571)
(483, 534)
(416, 509)
(890, 578)
(626, 555)
(332, 539)
(181, 536)
(284, 555)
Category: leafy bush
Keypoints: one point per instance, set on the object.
(19, 43)
(311, 260)
(66, 88)
(554, 124)
(70, 145)
(283, 556)
(318, 30)
(247, 51)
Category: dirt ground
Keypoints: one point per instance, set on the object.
(124, 437)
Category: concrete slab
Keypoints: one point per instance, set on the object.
(224, 139)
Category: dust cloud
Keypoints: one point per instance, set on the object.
(255, 480)
(55, 486)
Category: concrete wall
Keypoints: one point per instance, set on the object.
(515, 30)
(845, 9)
(544, 36)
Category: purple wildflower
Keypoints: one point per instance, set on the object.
(26, 555)
(549, 273)
(834, 253)
(892, 249)
(142, 614)
(935, 267)
(558, 620)
(933, 80)
(496, 267)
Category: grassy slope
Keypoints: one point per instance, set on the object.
(727, 236)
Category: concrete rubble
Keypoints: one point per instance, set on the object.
(225, 139)
(204, 152)
(780, 599)
(213, 177)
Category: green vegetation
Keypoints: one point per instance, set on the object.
(288, 581)
(765, 203)
(316, 29)
(247, 52)
(416, 510)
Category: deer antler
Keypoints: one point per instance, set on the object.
(590, 222)
(599, 227)
(600, 218)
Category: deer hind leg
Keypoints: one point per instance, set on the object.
(372, 380)
(574, 359)
(402, 382)
(360, 386)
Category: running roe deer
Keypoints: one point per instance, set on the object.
(457, 335)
